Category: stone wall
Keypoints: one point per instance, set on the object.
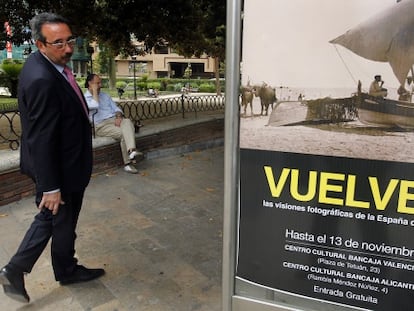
(107, 155)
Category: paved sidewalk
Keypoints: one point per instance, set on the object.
(158, 234)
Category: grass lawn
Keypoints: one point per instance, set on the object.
(7, 103)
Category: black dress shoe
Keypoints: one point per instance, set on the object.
(82, 274)
(13, 284)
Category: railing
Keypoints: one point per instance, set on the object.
(136, 110)
(10, 129)
(145, 109)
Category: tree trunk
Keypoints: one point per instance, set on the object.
(112, 70)
(217, 74)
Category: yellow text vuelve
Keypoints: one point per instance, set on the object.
(340, 189)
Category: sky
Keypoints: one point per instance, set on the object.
(286, 43)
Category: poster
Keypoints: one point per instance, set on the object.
(326, 172)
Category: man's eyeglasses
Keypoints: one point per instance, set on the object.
(61, 44)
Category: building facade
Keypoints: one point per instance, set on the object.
(164, 62)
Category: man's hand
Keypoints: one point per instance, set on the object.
(118, 121)
(118, 118)
(94, 87)
(51, 201)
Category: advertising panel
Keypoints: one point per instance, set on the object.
(326, 161)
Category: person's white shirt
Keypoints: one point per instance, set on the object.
(105, 109)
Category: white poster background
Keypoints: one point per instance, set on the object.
(286, 43)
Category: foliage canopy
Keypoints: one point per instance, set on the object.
(190, 26)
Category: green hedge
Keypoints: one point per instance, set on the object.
(207, 88)
(8, 103)
(170, 85)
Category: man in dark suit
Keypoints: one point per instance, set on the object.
(56, 152)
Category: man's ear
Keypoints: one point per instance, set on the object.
(40, 45)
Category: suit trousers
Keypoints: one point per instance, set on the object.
(61, 228)
(124, 133)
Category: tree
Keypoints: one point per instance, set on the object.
(210, 37)
(17, 13)
(187, 23)
(193, 27)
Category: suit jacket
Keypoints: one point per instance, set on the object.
(56, 147)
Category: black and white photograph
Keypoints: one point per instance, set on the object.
(333, 71)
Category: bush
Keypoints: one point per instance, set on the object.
(167, 84)
(81, 82)
(142, 85)
(153, 85)
(164, 84)
(120, 84)
(11, 69)
(171, 88)
(144, 78)
(105, 82)
(207, 88)
(177, 87)
(7, 103)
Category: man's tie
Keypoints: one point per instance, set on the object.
(75, 87)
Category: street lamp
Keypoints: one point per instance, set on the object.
(135, 81)
(90, 51)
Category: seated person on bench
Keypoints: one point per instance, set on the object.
(109, 121)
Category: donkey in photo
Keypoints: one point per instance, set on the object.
(247, 98)
(267, 96)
